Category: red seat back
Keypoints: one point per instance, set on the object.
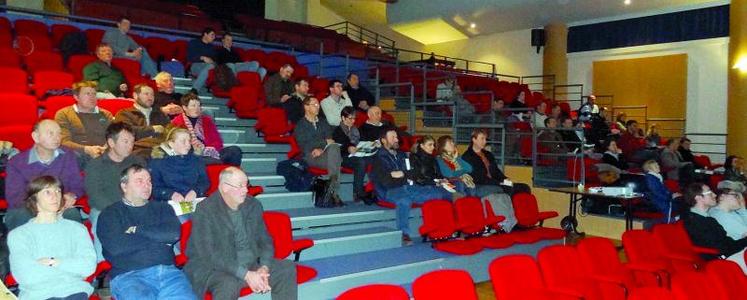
(642, 247)
(691, 285)
(272, 121)
(29, 27)
(43, 61)
(562, 268)
(51, 80)
(213, 172)
(59, 31)
(94, 36)
(525, 209)
(649, 293)
(186, 231)
(729, 276)
(129, 68)
(9, 58)
(115, 105)
(470, 215)
(55, 103)
(245, 100)
(516, 277)
(279, 228)
(438, 219)
(444, 284)
(375, 292)
(76, 63)
(249, 79)
(674, 239)
(14, 80)
(18, 109)
(600, 257)
(19, 135)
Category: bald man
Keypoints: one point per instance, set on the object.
(224, 263)
(46, 157)
(372, 129)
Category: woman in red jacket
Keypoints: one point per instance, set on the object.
(206, 140)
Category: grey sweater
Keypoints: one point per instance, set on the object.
(311, 136)
(102, 179)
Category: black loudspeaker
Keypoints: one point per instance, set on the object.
(538, 38)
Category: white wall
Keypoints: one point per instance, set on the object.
(706, 77)
(510, 51)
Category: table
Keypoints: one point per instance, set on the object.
(570, 222)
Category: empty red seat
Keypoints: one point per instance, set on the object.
(76, 63)
(43, 61)
(14, 80)
(601, 259)
(59, 31)
(159, 48)
(728, 276)
(375, 292)
(94, 36)
(562, 268)
(518, 277)
(471, 216)
(51, 80)
(528, 215)
(30, 27)
(129, 68)
(691, 285)
(676, 243)
(19, 135)
(273, 123)
(19, 109)
(279, 227)
(642, 248)
(115, 105)
(444, 284)
(55, 103)
(9, 58)
(651, 293)
(439, 226)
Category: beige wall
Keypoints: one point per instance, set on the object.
(286, 10)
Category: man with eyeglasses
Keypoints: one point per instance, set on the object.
(704, 230)
(730, 211)
(335, 102)
(230, 249)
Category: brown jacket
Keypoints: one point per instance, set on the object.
(75, 135)
(275, 87)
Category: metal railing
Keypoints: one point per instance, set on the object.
(361, 34)
(668, 127)
(557, 161)
(711, 144)
(410, 57)
(571, 93)
(540, 83)
(632, 112)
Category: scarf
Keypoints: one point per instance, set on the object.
(353, 134)
(452, 162)
(197, 135)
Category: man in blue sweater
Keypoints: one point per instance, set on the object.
(201, 55)
(138, 237)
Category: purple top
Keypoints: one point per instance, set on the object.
(26, 166)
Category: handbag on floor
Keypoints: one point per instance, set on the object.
(323, 193)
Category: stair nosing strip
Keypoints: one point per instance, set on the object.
(379, 270)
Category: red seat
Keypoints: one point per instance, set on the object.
(562, 269)
(76, 63)
(83, 204)
(129, 68)
(59, 31)
(94, 36)
(691, 285)
(114, 105)
(471, 216)
(186, 230)
(159, 48)
(641, 247)
(375, 292)
(279, 227)
(651, 293)
(19, 135)
(273, 123)
(729, 276)
(213, 172)
(705, 161)
(19, 109)
(9, 58)
(29, 27)
(55, 103)
(444, 284)
(14, 80)
(51, 80)
(676, 242)
(528, 216)
(518, 277)
(245, 100)
(43, 61)
(672, 185)
(439, 226)
(602, 261)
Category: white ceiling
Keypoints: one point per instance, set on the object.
(494, 16)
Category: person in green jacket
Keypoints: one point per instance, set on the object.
(111, 82)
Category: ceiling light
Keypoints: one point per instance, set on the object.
(472, 25)
(627, 2)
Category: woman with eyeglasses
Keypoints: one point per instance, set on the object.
(348, 136)
(730, 211)
(50, 257)
(177, 173)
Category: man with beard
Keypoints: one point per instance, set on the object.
(148, 123)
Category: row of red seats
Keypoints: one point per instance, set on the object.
(150, 13)
(466, 219)
(435, 285)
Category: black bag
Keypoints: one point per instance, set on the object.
(323, 193)
(297, 177)
(224, 77)
(73, 43)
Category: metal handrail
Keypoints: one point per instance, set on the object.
(357, 33)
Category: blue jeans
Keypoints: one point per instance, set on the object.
(358, 164)
(406, 195)
(94, 217)
(156, 282)
(202, 70)
(147, 65)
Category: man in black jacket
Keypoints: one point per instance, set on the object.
(487, 177)
(705, 231)
(230, 249)
(362, 99)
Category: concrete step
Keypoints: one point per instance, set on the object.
(261, 147)
(237, 136)
(351, 241)
(258, 164)
(352, 213)
(267, 180)
(234, 122)
(286, 200)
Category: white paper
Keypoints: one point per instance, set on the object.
(183, 208)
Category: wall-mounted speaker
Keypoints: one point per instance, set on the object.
(538, 38)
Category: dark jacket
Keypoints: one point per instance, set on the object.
(212, 245)
(102, 179)
(310, 137)
(225, 56)
(733, 174)
(424, 168)
(196, 48)
(658, 194)
(687, 155)
(358, 95)
(386, 163)
(145, 137)
(480, 172)
(177, 173)
(162, 99)
(275, 87)
(707, 232)
(294, 109)
(618, 162)
(371, 132)
(341, 138)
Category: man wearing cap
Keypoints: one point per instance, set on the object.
(730, 211)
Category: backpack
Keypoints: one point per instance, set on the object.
(323, 193)
(224, 77)
(297, 177)
(73, 43)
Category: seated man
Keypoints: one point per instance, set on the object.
(201, 55)
(279, 86)
(230, 248)
(392, 178)
(550, 138)
(228, 56)
(730, 211)
(361, 98)
(705, 231)
(685, 153)
(540, 116)
(110, 81)
(372, 129)
(167, 100)
(633, 144)
(46, 157)
(124, 46)
(83, 124)
(148, 123)
(138, 237)
(333, 104)
(102, 174)
(294, 105)
(314, 137)
(486, 175)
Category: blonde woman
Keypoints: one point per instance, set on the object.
(176, 172)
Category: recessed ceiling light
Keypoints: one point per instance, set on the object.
(627, 2)
(472, 25)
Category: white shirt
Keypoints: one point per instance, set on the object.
(332, 108)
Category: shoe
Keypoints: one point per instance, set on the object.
(338, 202)
(406, 241)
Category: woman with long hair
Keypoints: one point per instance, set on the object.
(453, 167)
(734, 169)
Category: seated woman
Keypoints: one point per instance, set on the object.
(613, 155)
(734, 169)
(50, 257)
(453, 167)
(176, 172)
(671, 162)
(204, 136)
(348, 136)
(657, 194)
(425, 169)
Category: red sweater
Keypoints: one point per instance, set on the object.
(211, 136)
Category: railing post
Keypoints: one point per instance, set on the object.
(378, 86)
(412, 109)
(425, 83)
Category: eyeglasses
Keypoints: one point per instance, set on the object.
(242, 186)
(706, 193)
(312, 104)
